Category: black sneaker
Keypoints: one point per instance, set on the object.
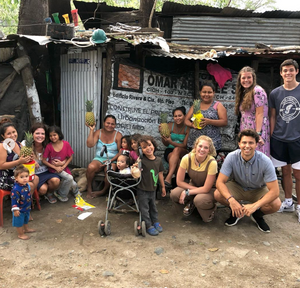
(261, 224)
(232, 220)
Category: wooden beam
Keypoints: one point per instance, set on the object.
(6, 83)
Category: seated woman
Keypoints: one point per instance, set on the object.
(9, 156)
(48, 182)
(201, 167)
(176, 143)
(109, 137)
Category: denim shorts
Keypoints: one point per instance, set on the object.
(20, 220)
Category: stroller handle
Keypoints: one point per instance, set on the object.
(103, 150)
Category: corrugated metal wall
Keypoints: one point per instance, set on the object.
(236, 31)
(80, 81)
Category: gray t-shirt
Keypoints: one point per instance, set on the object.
(287, 106)
(252, 174)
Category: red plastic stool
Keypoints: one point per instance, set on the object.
(4, 193)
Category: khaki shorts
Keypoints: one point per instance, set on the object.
(240, 194)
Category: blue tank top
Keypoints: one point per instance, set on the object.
(177, 138)
(112, 149)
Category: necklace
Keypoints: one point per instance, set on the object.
(199, 163)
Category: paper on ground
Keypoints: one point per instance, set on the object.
(84, 215)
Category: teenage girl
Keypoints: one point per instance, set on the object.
(57, 156)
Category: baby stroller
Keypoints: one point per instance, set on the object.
(121, 198)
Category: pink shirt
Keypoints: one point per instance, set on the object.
(51, 154)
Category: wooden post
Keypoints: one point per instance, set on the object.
(108, 77)
(33, 100)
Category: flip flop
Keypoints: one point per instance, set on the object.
(188, 209)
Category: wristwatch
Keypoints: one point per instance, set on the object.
(187, 192)
(259, 133)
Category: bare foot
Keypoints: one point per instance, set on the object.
(89, 195)
(98, 193)
(29, 230)
(23, 237)
(30, 218)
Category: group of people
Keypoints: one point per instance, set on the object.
(247, 174)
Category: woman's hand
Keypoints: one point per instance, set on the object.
(182, 197)
(24, 160)
(204, 122)
(91, 127)
(166, 139)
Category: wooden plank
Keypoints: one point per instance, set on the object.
(6, 83)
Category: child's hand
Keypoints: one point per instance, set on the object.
(59, 169)
(16, 213)
(37, 166)
(57, 162)
(163, 192)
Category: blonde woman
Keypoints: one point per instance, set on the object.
(201, 167)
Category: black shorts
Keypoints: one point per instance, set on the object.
(167, 152)
(288, 152)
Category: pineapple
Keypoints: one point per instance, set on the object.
(27, 150)
(89, 115)
(197, 116)
(164, 128)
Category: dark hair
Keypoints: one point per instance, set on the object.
(20, 169)
(135, 137)
(209, 84)
(289, 62)
(182, 109)
(126, 157)
(57, 130)
(250, 133)
(128, 141)
(39, 125)
(110, 116)
(4, 124)
(146, 138)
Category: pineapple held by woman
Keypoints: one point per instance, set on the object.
(27, 149)
(89, 116)
(164, 128)
(197, 116)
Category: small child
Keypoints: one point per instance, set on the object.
(152, 171)
(57, 156)
(134, 153)
(21, 202)
(123, 163)
(125, 143)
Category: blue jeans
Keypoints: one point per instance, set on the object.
(147, 206)
(67, 182)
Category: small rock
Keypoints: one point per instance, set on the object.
(108, 273)
(146, 283)
(173, 237)
(266, 243)
(4, 243)
(298, 280)
(203, 275)
(159, 250)
(191, 242)
(48, 276)
(215, 262)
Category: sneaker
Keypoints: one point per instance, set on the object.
(285, 207)
(76, 192)
(158, 227)
(231, 221)
(60, 198)
(261, 224)
(152, 231)
(51, 199)
(298, 213)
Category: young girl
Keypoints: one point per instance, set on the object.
(152, 171)
(57, 156)
(134, 153)
(125, 143)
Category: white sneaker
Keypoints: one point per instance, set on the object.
(285, 207)
(298, 213)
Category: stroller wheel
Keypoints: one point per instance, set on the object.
(143, 229)
(101, 228)
(136, 229)
(107, 227)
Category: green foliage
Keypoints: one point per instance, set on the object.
(9, 12)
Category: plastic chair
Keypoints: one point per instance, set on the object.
(4, 193)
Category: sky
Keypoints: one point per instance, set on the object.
(288, 5)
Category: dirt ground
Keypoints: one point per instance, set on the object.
(67, 252)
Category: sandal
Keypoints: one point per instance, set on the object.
(188, 209)
(51, 199)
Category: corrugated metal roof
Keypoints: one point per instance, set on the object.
(237, 31)
(171, 8)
